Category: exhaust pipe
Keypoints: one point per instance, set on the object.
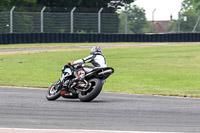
(106, 72)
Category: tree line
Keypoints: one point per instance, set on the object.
(113, 5)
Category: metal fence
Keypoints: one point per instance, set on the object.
(43, 21)
(61, 22)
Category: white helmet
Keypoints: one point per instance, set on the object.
(95, 50)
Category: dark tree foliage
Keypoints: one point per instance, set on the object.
(6, 5)
(113, 5)
(196, 4)
(108, 5)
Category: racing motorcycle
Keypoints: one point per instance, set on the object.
(85, 90)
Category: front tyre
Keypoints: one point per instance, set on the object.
(95, 86)
(53, 92)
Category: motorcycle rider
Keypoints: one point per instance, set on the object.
(74, 83)
(95, 58)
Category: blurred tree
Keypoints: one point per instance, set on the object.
(196, 4)
(22, 3)
(173, 27)
(111, 4)
(6, 5)
(187, 4)
(4, 2)
(137, 22)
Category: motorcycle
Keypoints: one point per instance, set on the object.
(85, 90)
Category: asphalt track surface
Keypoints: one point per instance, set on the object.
(28, 108)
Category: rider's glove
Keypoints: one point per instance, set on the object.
(70, 63)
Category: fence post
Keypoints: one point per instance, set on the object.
(11, 19)
(99, 20)
(153, 20)
(42, 19)
(72, 19)
(179, 20)
(126, 22)
(195, 27)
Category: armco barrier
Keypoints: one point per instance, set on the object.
(16, 38)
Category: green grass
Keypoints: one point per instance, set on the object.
(160, 70)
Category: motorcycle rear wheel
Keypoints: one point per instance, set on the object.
(53, 92)
(93, 91)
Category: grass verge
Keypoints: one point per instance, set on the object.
(159, 70)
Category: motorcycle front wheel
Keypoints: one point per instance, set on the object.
(53, 92)
(95, 86)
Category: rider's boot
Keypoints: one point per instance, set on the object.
(81, 77)
(75, 81)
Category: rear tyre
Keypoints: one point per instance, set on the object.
(92, 92)
(53, 92)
